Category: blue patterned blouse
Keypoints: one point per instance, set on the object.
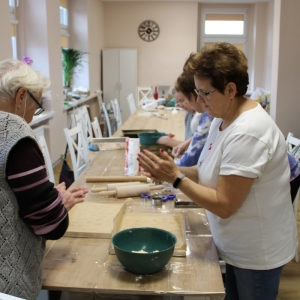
(191, 155)
(294, 166)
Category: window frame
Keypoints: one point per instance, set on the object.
(230, 38)
(64, 11)
(64, 27)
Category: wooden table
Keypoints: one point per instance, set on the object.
(174, 123)
(84, 264)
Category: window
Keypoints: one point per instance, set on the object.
(224, 25)
(64, 23)
(63, 16)
(12, 5)
(13, 27)
(14, 41)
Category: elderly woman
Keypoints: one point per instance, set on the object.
(188, 155)
(241, 179)
(32, 209)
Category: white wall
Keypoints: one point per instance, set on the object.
(285, 105)
(159, 62)
(78, 29)
(86, 34)
(39, 33)
(95, 42)
(5, 35)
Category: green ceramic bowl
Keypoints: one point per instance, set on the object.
(150, 138)
(149, 240)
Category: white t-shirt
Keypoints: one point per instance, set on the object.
(262, 233)
(195, 122)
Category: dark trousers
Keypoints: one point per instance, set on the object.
(54, 295)
(294, 187)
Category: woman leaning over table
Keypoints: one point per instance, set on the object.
(32, 209)
(190, 113)
(188, 155)
(242, 177)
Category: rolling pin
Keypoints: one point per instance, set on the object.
(112, 186)
(116, 178)
(131, 191)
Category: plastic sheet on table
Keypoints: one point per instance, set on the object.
(182, 275)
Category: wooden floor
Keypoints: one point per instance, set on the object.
(289, 288)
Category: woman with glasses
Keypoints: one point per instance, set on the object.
(32, 209)
(241, 179)
(188, 155)
(190, 116)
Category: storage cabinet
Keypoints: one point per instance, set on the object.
(120, 77)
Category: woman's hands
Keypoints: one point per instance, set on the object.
(168, 140)
(160, 168)
(72, 195)
(179, 150)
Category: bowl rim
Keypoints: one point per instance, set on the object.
(138, 228)
(158, 133)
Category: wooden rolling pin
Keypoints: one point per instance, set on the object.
(112, 186)
(116, 178)
(131, 191)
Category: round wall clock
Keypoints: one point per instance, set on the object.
(148, 31)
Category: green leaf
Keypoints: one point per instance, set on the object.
(71, 60)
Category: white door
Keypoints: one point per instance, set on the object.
(128, 79)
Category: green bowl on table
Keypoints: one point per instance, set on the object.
(150, 138)
(144, 250)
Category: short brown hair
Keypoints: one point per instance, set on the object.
(220, 63)
(186, 85)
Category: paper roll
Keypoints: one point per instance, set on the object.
(112, 186)
(116, 178)
(131, 191)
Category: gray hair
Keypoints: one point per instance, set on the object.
(15, 74)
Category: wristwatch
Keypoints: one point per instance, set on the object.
(178, 180)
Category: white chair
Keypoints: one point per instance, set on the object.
(96, 128)
(113, 106)
(131, 103)
(107, 121)
(119, 116)
(293, 144)
(45, 151)
(82, 117)
(103, 109)
(78, 149)
(144, 94)
(99, 96)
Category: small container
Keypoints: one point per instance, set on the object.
(171, 196)
(144, 197)
(164, 198)
(156, 201)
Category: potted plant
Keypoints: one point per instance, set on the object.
(71, 59)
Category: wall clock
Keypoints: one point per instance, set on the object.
(148, 31)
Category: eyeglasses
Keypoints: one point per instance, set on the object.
(204, 95)
(40, 108)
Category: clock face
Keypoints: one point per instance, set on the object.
(148, 31)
